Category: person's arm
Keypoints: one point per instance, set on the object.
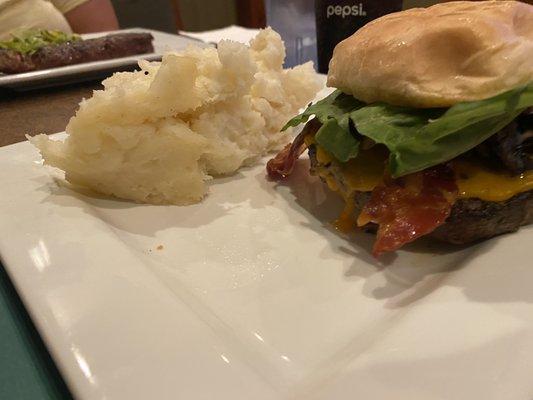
(92, 16)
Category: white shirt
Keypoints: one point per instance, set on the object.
(20, 15)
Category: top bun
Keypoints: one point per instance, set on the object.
(438, 56)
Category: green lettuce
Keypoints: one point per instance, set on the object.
(416, 138)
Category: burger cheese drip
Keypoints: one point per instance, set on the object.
(409, 207)
(474, 181)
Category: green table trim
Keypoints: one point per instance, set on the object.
(26, 369)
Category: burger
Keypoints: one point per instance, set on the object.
(430, 129)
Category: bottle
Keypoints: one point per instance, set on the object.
(294, 20)
(338, 19)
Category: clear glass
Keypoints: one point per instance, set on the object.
(294, 20)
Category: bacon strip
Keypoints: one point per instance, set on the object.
(282, 164)
(409, 207)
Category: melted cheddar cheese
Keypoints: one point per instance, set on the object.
(474, 180)
(365, 172)
(347, 220)
(362, 173)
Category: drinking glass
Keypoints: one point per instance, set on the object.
(294, 20)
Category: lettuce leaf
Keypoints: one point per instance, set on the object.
(416, 138)
(334, 113)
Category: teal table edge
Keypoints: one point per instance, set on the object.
(26, 369)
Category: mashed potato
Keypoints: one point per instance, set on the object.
(159, 134)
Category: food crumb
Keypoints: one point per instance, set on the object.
(160, 247)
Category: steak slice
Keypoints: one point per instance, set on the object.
(470, 219)
(76, 52)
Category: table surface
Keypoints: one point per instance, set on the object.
(39, 111)
(26, 369)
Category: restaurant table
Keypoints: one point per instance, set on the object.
(26, 369)
(39, 111)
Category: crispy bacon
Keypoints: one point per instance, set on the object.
(282, 164)
(409, 207)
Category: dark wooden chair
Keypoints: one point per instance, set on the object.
(250, 13)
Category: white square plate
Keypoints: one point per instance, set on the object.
(162, 42)
(251, 295)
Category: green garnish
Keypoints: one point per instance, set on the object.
(416, 138)
(29, 42)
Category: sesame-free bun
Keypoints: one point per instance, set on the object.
(438, 56)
